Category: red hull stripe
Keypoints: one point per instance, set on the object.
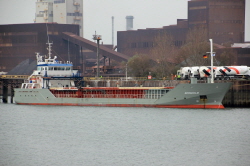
(130, 105)
(123, 88)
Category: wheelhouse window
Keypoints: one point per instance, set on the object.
(60, 68)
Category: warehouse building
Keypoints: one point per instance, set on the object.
(223, 19)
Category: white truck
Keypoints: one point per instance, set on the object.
(194, 72)
(183, 73)
(232, 72)
(220, 72)
(205, 71)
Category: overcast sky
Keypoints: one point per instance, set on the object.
(98, 13)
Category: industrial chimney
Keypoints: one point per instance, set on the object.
(129, 25)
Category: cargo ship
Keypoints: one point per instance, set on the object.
(56, 83)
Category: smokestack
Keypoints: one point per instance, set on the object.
(112, 31)
(129, 25)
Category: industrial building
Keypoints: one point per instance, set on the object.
(20, 42)
(60, 11)
(223, 19)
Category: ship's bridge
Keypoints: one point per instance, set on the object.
(64, 69)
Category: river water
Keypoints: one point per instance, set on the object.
(111, 136)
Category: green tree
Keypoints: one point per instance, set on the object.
(139, 65)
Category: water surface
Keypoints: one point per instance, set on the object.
(91, 136)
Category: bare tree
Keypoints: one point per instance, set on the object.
(163, 53)
(227, 58)
(197, 44)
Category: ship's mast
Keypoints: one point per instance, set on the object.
(49, 49)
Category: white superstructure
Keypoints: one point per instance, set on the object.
(51, 73)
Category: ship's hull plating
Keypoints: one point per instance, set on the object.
(182, 96)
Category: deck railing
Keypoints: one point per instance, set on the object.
(123, 96)
(145, 94)
(114, 78)
(14, 76)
